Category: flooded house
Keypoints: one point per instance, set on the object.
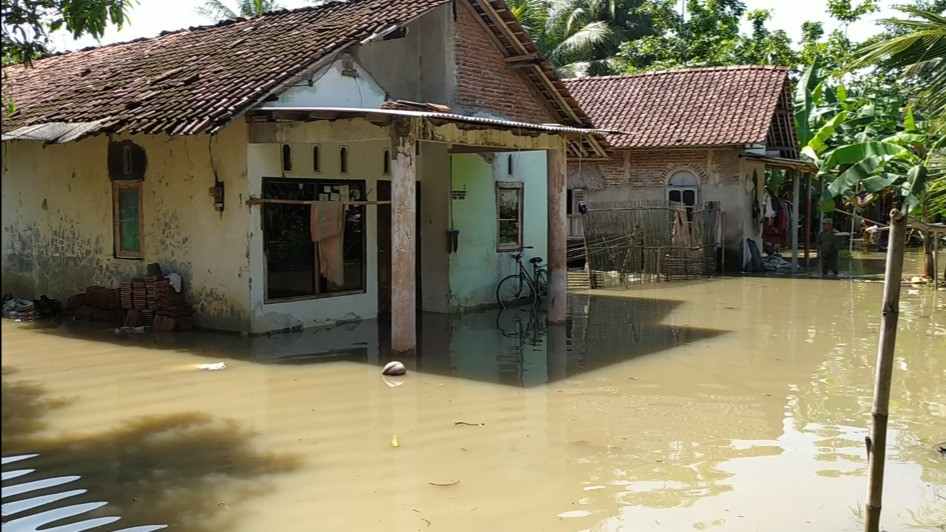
(296, 169)
(698, 135)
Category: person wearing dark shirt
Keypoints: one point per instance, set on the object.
(828, 245)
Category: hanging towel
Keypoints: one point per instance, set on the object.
(327, 226)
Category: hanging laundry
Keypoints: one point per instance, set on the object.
(327, 226)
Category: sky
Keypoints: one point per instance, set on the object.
(150, 17)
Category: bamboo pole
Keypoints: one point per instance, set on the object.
(877, 441)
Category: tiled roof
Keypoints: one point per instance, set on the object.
(193, 80)
(690, 107)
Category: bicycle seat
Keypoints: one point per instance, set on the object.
(516, 256)
(535, 260)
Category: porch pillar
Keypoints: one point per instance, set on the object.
(403, 238)
(557, 234)
(795, 224)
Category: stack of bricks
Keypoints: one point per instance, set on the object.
(97, 303)
(154, 302)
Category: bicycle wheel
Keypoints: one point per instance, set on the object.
(542, 282)
(512, 290)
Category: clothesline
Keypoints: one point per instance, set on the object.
(261, 201)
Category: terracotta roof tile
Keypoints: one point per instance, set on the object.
(684, 108)
(193, 80)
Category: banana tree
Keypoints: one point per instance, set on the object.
(863, 145)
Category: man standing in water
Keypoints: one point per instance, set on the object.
(828, 247)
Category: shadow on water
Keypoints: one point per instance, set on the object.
(165, 469)
(514, 347)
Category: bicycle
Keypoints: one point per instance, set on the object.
(523, 285)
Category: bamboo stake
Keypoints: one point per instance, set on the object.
(877, 441)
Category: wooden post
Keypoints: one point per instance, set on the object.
(795, 223)
(403, 238)
(807, 218)
(877, 441)
(557, 233)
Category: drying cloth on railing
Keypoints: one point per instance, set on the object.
(328, 232)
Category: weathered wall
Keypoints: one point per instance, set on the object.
(484, 81)
(643, 174)
(477, 267)
(58, 220)
(419, 66)
(434, 166)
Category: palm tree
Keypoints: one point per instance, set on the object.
(582, 37)
(920, 51)
(217, 10)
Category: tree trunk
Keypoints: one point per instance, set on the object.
(877, 441)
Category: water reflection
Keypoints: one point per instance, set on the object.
(513, 347)
(732, 404)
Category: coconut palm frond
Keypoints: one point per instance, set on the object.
(587, 38)
(216, 10)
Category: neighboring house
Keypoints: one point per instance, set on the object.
(204, 149)
(693, 136)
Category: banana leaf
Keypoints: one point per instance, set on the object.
(854, 153)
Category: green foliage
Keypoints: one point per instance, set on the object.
(217, 10)
(708, 36)
(27, 24)
(865, 145)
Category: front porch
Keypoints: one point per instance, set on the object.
(424, 156)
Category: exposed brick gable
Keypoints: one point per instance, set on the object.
(483, 80)
(651, 168)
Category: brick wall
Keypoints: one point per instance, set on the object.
(483, 80)
(651, 168)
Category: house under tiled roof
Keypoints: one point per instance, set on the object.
(198, 80)
(718, 106)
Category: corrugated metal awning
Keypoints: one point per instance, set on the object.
(55, 132)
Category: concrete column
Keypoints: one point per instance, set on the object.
(795, 224)
(557, 235)
(403, 238)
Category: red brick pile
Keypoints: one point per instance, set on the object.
(153, 302)
(97, 303)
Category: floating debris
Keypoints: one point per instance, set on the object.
(395, 442)
(450, 483)
(469, 424)
(212, 367)
(394, 368)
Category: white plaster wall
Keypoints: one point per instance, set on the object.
(365, 163)
(434, 166)
(331, 88)
(58, 220)
(477, 267)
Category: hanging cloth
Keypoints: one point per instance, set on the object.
(327, 226)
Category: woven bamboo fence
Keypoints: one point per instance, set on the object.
(650, 241)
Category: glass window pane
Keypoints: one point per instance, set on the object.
(509, 232)
(689, 197)
(674, 195)
(129, 216)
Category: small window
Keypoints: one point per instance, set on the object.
(509, 165)
(127, 219)
(683, 187)
(316, 163)
(509, 216)
(126, 160)
(286, 158)
(343, 160)
(387, 162)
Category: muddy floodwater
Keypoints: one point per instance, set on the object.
(729, 404)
